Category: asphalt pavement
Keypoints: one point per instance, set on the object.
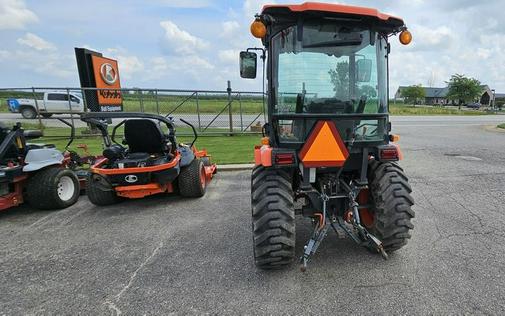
(222, 121)
(166, 254)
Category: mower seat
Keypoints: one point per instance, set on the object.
(145, 136)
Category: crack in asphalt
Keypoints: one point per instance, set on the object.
(111, 304)
(380, 285)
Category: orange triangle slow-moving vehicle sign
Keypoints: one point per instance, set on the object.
(324, 147)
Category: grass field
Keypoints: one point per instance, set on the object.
(501, 126)
(402, 109)
(204, 103)
(215, 103)
(224, 149)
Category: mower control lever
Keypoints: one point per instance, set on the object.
(194, 131)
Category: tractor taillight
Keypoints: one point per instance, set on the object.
(388, 153)
(284, 158)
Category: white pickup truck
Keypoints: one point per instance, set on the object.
(54, 102)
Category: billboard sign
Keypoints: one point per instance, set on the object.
(96, 71)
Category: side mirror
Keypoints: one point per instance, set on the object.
(248, 65)
(363, 70)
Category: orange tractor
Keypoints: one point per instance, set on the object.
(327, 144)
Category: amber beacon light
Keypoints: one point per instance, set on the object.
(405, 37)
(258, 29)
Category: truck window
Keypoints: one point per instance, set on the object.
(57, 97)
(74, 99)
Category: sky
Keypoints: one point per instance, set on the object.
(194, 44)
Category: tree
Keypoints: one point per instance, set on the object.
(463, 89)
(413, 93)
(368, 91)
(340, 79)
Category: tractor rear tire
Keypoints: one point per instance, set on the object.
(52, 188)
(192, 179)
(391, 200)
(100, 191)
(273, 218)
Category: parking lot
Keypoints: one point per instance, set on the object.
(167, 254)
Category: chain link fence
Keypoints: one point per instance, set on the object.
(211, 112)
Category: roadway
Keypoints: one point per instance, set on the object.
(428, 121)
(166, 254)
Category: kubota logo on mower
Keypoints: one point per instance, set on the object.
(131, 178)
(324, 148)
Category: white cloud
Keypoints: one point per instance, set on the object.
(429, 38)
(129, 65)
(228, 56)
(230, 29)
(35, 42)
(14, 15)
(191, 4)
(251, 7)
(180, 41)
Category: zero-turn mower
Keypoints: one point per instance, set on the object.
(328, 142)
(147, 161)
(36, 173)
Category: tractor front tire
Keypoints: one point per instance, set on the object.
(100, 191)
(192, 180)
(52, 188)
(391, 200)
(273, 218)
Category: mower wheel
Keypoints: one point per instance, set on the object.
(192, 180)
(52, 188)
(390, 192)
(273, 218)
(100, 191)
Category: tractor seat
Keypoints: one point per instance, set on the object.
(145, 136)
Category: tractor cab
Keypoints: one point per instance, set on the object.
(325, 62)
(327, 139)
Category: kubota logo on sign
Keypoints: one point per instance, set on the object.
(324, 148)
(107, 78)
(109, 74)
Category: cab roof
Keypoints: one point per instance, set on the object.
(333, 9)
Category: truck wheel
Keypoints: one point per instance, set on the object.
(192, 180)
(52, 188)
(100, 191)
(28, 113)
(273, 218)
(391, 204)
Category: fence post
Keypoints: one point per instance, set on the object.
(70, 107)
(37, 107)
(241, 113)
(198, 111)
(230, 115)
(157, 102)
(141, 100)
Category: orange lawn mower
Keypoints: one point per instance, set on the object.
(148, 161)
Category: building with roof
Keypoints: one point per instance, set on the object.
(438, 96)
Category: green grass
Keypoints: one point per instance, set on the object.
(223, 149)
(422, 110)
(501, 126)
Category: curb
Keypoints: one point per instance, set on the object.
(494, 128)
(234, 167)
